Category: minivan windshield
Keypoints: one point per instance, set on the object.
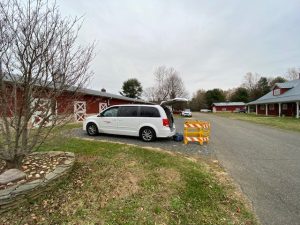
(187, 110)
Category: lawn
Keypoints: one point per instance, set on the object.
(121, 184)
(286, 123)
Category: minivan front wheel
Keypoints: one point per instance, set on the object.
(147, 134)
(92, 129)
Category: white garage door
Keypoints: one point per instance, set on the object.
(79, 110)
(102, 106)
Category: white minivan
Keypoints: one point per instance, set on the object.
(145, 121)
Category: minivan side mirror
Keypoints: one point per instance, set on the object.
(99, 115)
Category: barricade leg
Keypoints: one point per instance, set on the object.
(185, 136)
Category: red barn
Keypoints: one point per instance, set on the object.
(282, 100)
(80, 103)
(93, 102)
(228, 106)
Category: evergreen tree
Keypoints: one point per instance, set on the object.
(215, 95)
(240, 95)
(132, 88)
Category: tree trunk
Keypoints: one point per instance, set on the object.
(16, 163)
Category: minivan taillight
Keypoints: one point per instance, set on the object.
(166, 122)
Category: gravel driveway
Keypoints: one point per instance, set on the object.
(168, 144)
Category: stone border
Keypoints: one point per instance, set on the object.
(12, 196)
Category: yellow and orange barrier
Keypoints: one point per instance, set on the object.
(196, 131)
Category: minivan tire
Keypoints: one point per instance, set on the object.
(147, 134)
(92, 129)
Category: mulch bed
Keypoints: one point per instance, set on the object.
(36, 166)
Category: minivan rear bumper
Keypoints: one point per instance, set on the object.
(166, 132)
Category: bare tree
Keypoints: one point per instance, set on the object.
(168, 85)
(250, 81)
(40, 62)
(176, 86)
(150, 94)
(161, 74)
(293, 74)
(228, 93)
(198, 100)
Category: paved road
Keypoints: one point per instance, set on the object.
(265, 162)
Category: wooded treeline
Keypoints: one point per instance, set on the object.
(253, 87)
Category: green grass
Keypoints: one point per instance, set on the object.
(66, 127)
(286, 123)
(120, 184)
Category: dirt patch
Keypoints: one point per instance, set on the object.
(161, 150)
(118, 185)
(191, 159)
(126, 178)
(119, 179)
(87, 158)
(168, 175)
(126, 185)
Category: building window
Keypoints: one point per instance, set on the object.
(271, 107)
(262, 107)
(276, 92)
(284, 106)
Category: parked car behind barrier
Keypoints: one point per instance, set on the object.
(186, 112)
(240, 111)
(205, 110)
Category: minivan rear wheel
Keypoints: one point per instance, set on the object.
(147, 134)
(92, 129)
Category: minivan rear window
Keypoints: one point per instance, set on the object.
(128, 111)
(149, 112)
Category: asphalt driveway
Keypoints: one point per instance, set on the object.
(265, 162)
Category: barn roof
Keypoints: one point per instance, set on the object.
(291, 95)
(289, 84)
(16, 78)
(109, 95)
(229, 104)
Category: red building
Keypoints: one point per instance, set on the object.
(282, 100)
(81, 103)
(44, 102)
(228, 106)
(93, 102)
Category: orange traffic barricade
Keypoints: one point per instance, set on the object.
(196, 131)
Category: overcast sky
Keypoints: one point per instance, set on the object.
(212, 43)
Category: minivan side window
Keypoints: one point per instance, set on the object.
(149, 112)
(128, 111)
(112, 112)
